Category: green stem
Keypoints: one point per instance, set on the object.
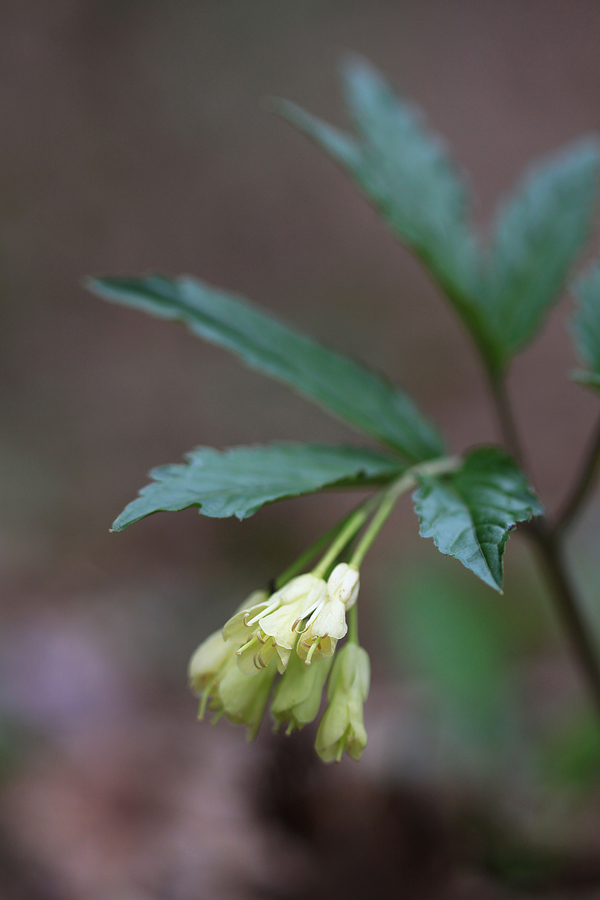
(388, 502)
(405, 483)
(353, 625)
(351, 525)
(583, 484)
(569, 607)
(301, 563)
(549, 546)
(506, 419)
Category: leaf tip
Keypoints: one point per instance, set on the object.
(287, 110)
(585, 378)
(96, 284)
(354, 65)
(89, 282)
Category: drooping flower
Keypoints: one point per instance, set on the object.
(269, 629)
(343, 584)
(208, 662)
(327, 624)
(241, 699)
(297, 697)
(224, 689)
(342, 727)
(206, 667)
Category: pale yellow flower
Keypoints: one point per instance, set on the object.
(269, 630)
(208, 662)
(297, 697)
(224, 689)
(241, 699)
(342, 727)
(327, 624)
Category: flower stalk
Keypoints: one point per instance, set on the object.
(407, 482)
(295, 631)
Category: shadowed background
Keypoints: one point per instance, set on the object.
(134, 139)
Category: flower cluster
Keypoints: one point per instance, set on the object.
(293, 632)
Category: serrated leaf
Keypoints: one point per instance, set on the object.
(586, 325)
(237, 482)
(349, 390)
(539, 233)
(469, 513)
(407, 173)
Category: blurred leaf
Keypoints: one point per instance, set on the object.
(469, 513)
(459, 644)
(237, 482)
(407, 172)
(586, 325)
(572, 757)
(539, 233)
(340, 385)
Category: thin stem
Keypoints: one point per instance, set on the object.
(301, 563)
(584, 482)
(405, 483)
(506, 419)
(388, 501)
(549, 546)
(353, 523)
(353, 625)
(569, 608)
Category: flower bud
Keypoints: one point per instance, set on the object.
(298, 695)
(243, 700)
(342, 726)
(343, 584)
(209, 662)
(210, 657)
(328, 622)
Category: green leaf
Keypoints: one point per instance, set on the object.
(586, 325)
(342, 386)
(589, 379)
(470, 512)
(237, 482)
(408, 174)
(539, 233)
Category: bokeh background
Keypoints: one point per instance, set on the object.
(134, 139)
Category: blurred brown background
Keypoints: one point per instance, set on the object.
(133, 139)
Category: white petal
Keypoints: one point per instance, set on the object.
(343, 584)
